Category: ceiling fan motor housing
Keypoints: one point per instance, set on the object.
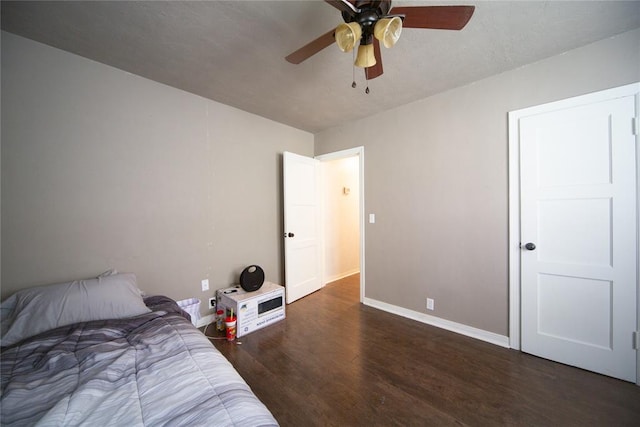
(369, 14)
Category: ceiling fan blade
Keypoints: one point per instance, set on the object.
(344, 6)
(312, 48)
(436, 17)
(376, 70)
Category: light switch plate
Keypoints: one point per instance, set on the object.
(205, 285)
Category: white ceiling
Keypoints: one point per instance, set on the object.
(233, 51)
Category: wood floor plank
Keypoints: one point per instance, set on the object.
(335, 362)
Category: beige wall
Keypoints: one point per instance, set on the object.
(103, 169)
(436, 178)
(341, 220)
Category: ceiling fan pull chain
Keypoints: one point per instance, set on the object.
(366, 75)
(353, 67)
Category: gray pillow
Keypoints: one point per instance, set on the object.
(32, 311)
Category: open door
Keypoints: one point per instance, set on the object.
(302, 266)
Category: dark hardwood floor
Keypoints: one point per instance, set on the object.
(335, 362)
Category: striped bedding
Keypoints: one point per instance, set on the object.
(155, 369)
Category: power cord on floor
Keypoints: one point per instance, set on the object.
(216, 337)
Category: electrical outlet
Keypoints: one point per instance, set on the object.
(205, 285)
(430, 304)
(212, 303)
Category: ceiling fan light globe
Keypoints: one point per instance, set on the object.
(388, 30)
(347, 35)
(366, 57)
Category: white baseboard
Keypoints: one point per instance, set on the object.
(204, 321)
(341, 276)
(459, 328)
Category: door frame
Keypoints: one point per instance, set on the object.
(514, 251)
(343, 154)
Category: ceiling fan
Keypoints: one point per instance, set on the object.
(370, 22)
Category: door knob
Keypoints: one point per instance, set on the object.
(289, 234)
(530, 246)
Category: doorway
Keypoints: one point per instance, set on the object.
(304, 213)
(342, 215)
(340, 206)
(574, 231)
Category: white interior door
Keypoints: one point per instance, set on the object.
(578, 207)
(302, 249)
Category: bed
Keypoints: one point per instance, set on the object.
(95, 352)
